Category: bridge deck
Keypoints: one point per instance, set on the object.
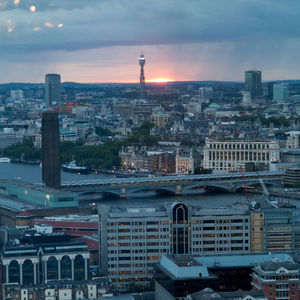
(172, 179)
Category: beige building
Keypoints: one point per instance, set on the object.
(257, 232)
(232, 156)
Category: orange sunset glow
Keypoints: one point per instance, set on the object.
(160, 80)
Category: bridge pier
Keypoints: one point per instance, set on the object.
(123, 193)
(178, 190)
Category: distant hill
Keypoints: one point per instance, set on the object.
(24, 86)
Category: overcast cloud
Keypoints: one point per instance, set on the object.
(100, 40)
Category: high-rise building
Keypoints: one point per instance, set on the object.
(50, 149)
(52, 89)
(253, 83)
(270, 89)
(142, 62)
(133, 239)
(280, 92)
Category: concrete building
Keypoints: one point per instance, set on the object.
(50, 149)
(232, 156)
(290, 156)
(253, 83)
(280, 92)
(52, 89)
(246, 101)
(133, 239)
(292, 177)
(293, 140)
(16, 95)
(10, 137)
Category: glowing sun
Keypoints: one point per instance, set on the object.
(160, 80)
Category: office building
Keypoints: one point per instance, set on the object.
(52, 89)
(280, 92)
(133, 239)
(50, 149)
(232, 156)
(253, 83)
(270, 89)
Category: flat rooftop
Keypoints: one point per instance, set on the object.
(17, 205)
(36, 187)
(183, 267)
(242, 260)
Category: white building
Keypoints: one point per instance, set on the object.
(233, 155)
(132, 240)
(246, 98)
(293, 140)
(16, 95)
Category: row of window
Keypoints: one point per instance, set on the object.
(237, 146)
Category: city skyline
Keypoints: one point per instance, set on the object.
(98, 41)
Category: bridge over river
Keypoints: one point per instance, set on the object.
(174, 185)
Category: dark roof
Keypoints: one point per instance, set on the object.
(208, 294)
(275, 265)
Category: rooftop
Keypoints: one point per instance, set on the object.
(242, 260)
(182, 267)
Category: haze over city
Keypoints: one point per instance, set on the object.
(99, 40)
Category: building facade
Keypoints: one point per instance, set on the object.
(39, 258)
(232, 156)
(132, 240)
(253, 83)
(58, 290)
(277, 279)
(293, 140)
(52, 89)
(280, 92)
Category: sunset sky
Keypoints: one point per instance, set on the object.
(100, 40)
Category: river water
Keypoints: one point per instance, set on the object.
(33, 174)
